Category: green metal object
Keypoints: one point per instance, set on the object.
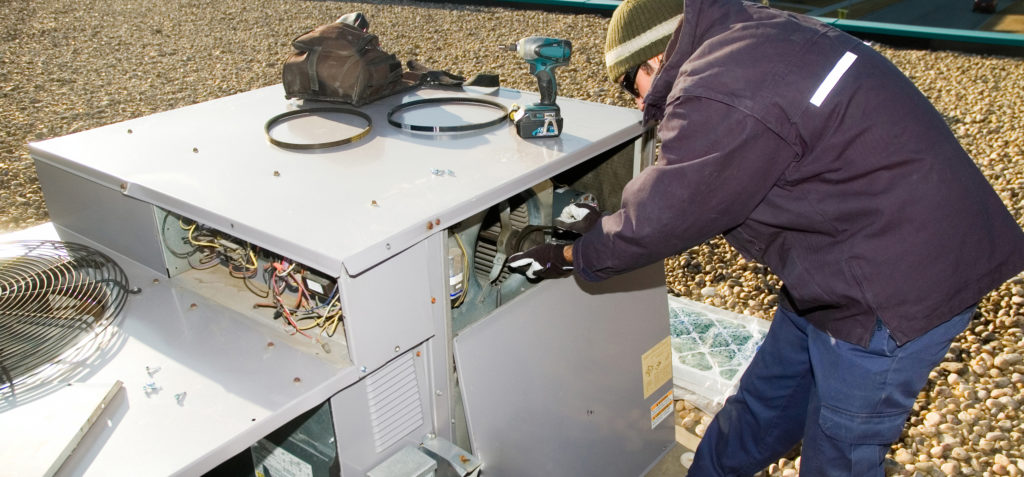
(597, 5)
(851, 26)
(931, 33)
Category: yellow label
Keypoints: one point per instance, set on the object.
(657, 364)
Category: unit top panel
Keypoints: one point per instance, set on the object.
(341, 209)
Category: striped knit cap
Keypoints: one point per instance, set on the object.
(639, 30)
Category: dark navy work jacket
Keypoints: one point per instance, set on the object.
(814, 155)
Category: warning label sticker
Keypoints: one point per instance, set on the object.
(661, 409)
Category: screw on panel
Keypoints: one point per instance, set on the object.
(124, 187)
(156, 281)
(297, 380)
(180, 398)
(193, 306)
(195, 150)
(398, 348)
(277, 173)
(150, 387)
(373, 203)
(437, 172)
(430, 225)
(362, 369)
(129, 131)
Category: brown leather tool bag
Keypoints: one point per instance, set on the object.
(340, 63)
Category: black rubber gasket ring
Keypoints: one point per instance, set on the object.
(318, 145)
(448, 129)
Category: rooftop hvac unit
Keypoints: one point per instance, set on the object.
(365, 279)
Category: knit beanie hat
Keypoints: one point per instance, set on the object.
(639, 30)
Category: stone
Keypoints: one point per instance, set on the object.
(959, 453)
(953, 366)
(903, 456)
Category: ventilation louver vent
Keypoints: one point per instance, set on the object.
(53, 296)
(395, 407)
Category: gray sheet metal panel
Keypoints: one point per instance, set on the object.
(362, 423)
(158, 160)
(553, 384)
(102, 214)
(388, 308)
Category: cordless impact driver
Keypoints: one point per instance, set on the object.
(543, 54)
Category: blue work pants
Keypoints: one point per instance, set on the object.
(847, 403)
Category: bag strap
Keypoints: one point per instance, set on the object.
(311, 59)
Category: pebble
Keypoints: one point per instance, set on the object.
(903, 456)
(959, 453)
(181, 53)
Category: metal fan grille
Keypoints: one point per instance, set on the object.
(53, 295)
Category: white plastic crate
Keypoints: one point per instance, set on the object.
(711, 348)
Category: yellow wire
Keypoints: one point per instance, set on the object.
(316, 323)
(191, 240)
(255, 264)
(286, 271)
(465, 272)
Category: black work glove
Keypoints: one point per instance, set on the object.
(579, 217)
(543, 261)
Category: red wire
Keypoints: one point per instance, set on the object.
(289, 317)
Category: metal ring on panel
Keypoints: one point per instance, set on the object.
(319, 145)
(448, 129)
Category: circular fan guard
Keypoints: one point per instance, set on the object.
(53, 295)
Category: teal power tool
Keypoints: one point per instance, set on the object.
(543, 118)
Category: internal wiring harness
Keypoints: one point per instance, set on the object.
(307, 301)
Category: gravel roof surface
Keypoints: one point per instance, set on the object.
(68, 66)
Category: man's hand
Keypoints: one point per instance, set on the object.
(546, 260)
(578, 218)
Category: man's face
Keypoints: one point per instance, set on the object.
(637, 82)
